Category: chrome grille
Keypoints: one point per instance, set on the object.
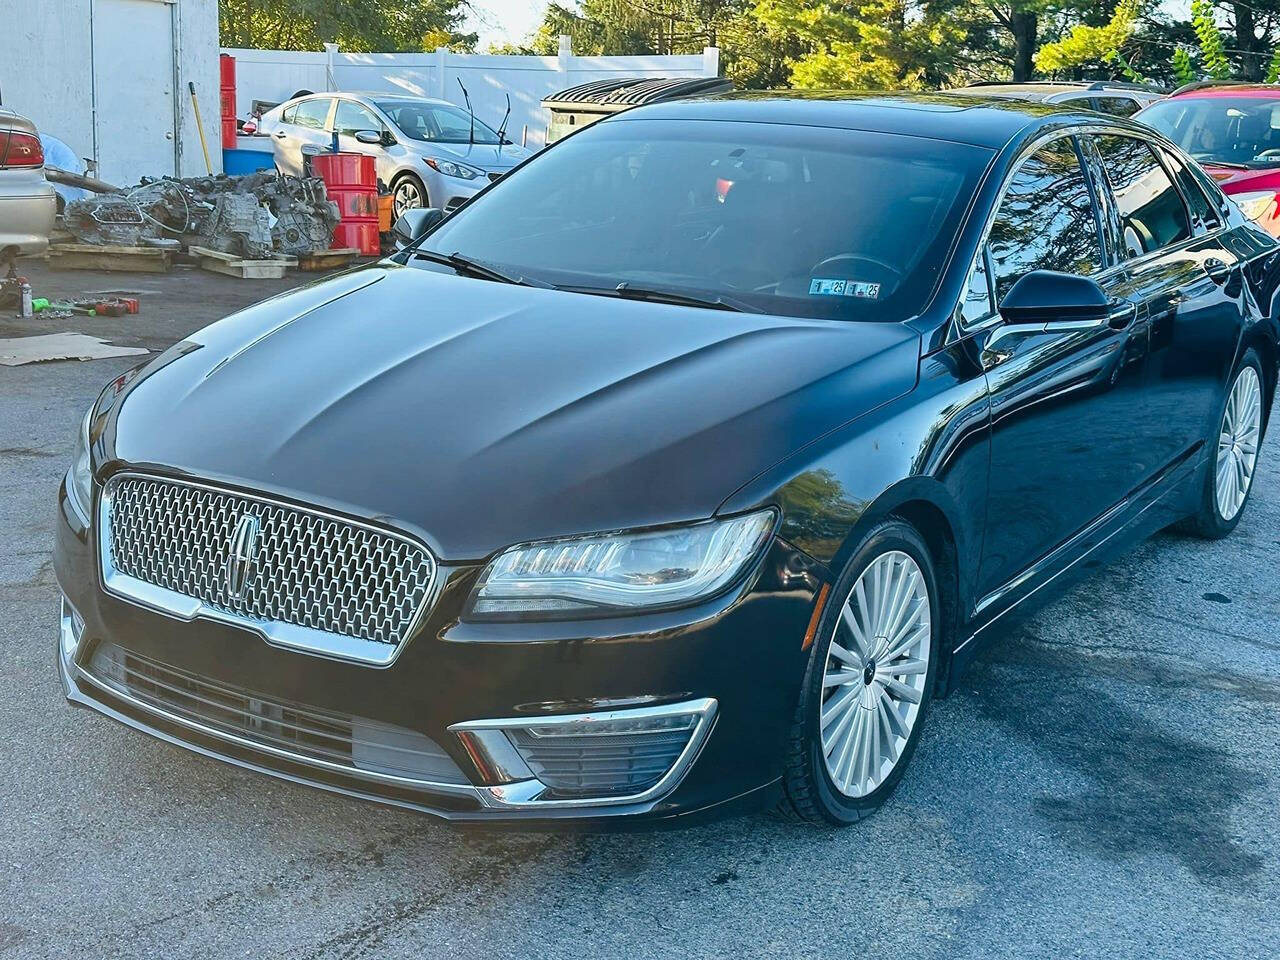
(310, 575)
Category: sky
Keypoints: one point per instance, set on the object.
(504, 21)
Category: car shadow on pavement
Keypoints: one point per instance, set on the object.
(1148, 790)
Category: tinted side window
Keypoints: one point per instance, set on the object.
(1116, 106)
(1202, 211)
(290, 114)
(313, 113)
(1046, 220)
(1151, 211)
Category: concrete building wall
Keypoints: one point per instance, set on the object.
(109, 77)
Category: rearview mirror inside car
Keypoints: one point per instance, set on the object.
(1046, 296)
(412, 224)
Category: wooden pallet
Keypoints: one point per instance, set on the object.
(92, 256)
(229, 264)
(328, 259)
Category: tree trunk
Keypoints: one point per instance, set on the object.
(1024, 44)
(1252, 66)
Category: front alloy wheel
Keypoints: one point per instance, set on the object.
(406, 195)
(874, 677)
(869, 682)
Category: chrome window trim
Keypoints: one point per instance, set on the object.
(286, 636)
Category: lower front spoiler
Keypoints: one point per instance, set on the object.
(512, 804)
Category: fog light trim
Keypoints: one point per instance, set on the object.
(506, 750)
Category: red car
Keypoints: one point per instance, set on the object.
(1233, 130)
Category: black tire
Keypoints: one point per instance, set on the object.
(809, 794)
(1207, 522)
(414, 181)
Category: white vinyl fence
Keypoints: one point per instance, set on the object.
(276, 75)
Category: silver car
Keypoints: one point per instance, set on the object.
(27, 201)
(430, 153)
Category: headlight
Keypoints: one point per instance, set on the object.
(80, 476)
(619, 573)
(1256, 205)
(451, 169)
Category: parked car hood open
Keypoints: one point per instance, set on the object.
(485, 414)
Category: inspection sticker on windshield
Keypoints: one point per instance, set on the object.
(819, 287)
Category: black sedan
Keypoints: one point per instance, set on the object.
(679, 470)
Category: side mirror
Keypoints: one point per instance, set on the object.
(388, 139)
(1046, 296)
(371, 137)
(414, 223)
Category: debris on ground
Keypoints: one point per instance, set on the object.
(256, 216)
(61, 346)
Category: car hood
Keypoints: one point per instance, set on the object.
(480, 414)
(1232, 180)
(486, 156)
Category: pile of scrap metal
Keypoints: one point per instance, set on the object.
(258, 216)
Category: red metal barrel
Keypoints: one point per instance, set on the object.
(227, 69)
(351, 180)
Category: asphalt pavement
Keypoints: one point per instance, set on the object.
(1102, 784)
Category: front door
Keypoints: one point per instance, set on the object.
(1065, 397)
(351, 118)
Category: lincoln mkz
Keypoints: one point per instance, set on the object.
(680, 470)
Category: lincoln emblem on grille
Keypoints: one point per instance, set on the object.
(244, 548)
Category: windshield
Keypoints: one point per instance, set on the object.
(798, 221)
(435, 122)
(1241, 130)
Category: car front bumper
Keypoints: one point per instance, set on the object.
(728, 671)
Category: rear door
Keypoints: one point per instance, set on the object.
(1189, 283)
(1065, 396)
(303, 132)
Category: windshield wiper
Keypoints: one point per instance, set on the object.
(629, 291)
(478, 268)
(1226, 163)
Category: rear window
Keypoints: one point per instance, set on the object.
(797, 221)
(1151, 212)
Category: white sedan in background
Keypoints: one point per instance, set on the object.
(430, 153)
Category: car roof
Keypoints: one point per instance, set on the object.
(1262, 91)
(980, 121)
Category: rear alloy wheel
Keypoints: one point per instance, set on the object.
(1234, 447)
(407, 193)
(1238, 444)
(869, 682)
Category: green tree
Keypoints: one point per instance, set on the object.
(870, 44)
(1086, 44)
(356, 25)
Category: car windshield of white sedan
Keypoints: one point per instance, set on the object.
(789, 220)
(1235, 130)
(435, 122)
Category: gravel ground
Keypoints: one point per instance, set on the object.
(1103, 784)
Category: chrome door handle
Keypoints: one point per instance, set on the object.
(1121, 317)
(1218, 271)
